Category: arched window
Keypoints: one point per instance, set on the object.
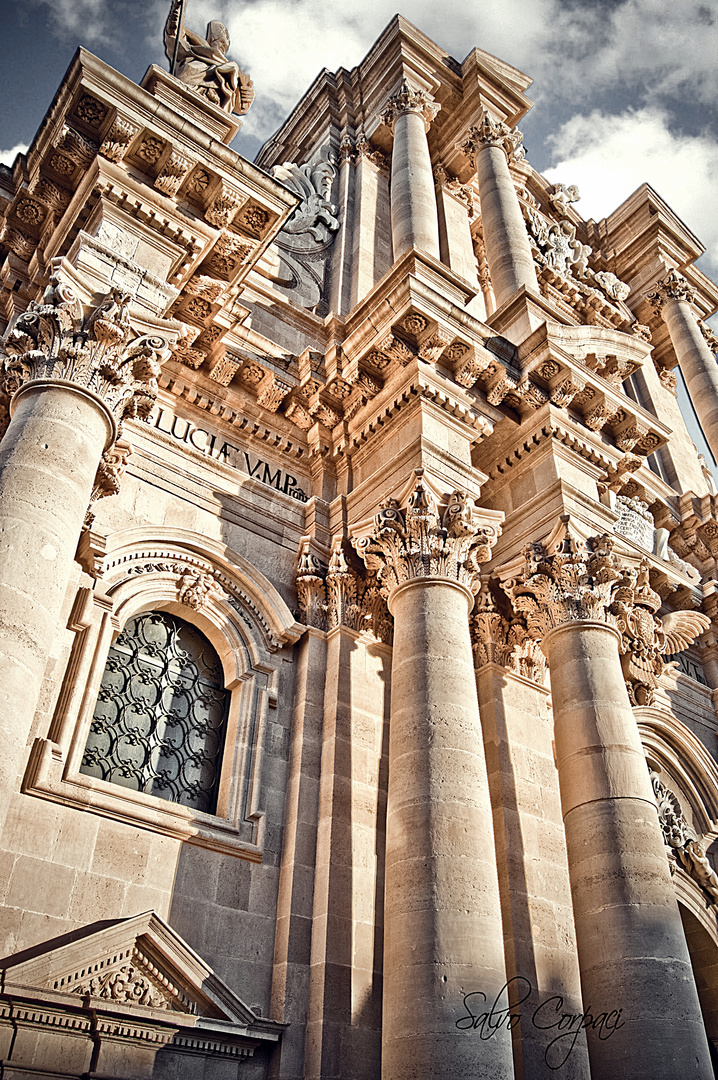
(161, 713)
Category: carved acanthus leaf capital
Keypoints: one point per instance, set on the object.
(490, 132)
(409, 100)
(672, 287)
(570, 580)
(428, 539)
(337, 595)
(55, 340)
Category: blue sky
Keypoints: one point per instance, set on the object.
(624, 89)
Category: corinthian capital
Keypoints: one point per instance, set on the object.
(427, 539)
(54, 340)
(672, 287)
(568, 580)
(490, 132)
(409, 100)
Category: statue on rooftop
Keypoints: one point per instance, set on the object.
(202, 64)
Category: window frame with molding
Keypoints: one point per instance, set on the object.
(247, 622)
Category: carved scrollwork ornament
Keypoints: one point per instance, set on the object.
(55, 340)
(427, 540)
(338, 595)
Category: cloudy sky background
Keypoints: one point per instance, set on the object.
(625, 90)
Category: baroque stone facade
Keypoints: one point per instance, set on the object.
(358, 646)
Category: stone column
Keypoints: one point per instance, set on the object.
(442, 918)
(490, 145)
(638, 986)
(414, 219)
(70, 379)
(672, 297)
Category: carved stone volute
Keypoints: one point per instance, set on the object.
(490, 132)
(672, 287)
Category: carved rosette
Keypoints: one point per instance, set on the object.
(490, 132)
(55, 340)
(409, 100)
(672, 287)
(427, 540)
(570, 580)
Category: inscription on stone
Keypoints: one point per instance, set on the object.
(214, 445)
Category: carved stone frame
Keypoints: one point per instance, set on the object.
(246, 621)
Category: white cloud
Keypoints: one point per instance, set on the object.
(87, 21)
(7, 157)
(610, 156)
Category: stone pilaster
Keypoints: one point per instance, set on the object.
(443, 935)
(490, 145)
(635, 969)
(414, 219)
(71, 379)
(672, 297)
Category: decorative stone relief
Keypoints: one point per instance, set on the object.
(462, 192)
(672, 287)
(228, 254)
(125, 984)
(173, 173)
(303, 243)
(556, 245)
(224, 205)
(709, 337)
(561, 197)
(509, 644)
(635, 522)
(117, 141)
(195, 587)
(426, 539)
(202, 64)
(570, 580)
(53, 339)
(109, 474)
(490, 132)
(686, 849)
(409, 100)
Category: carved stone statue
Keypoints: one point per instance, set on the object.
(203, 64)
(695, 862)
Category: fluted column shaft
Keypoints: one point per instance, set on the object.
(48, 461)
(442, 912)
(508, 251)
(414, 217)
(631, 945)
(698, 365)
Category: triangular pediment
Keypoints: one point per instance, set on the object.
(137, 961)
